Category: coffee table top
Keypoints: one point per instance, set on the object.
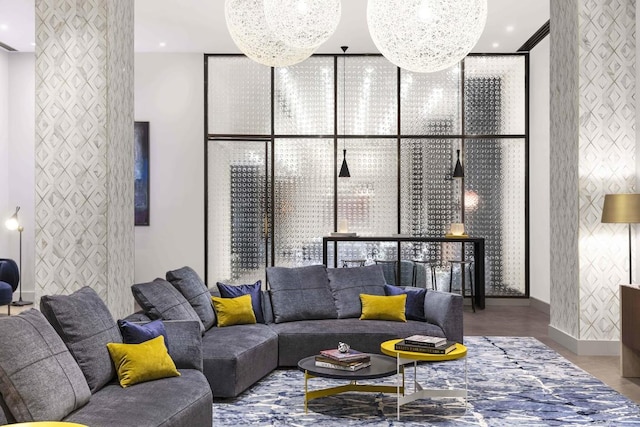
(388, 348)
(381, 366)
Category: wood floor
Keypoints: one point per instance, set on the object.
(529, 322)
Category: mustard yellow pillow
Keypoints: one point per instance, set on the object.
(137, 363)
(234, 311)
(375, 307)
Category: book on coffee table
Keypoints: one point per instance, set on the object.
(425, 340)
(321, 358)
(351, 355)
(341, 367)
(446, 348)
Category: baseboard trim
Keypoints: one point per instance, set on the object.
(585, 347)
(539, 305)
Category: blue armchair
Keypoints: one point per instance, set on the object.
(9, 279)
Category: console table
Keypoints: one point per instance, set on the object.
(478, 254)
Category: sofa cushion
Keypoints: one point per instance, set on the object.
(160, 300)
(133, 333)
(138, 363)
(39, 379)
(300, 293)
(234, 311)
(414, 309)
(182, 401)
(85, 324)
(376, 307)
(195, 291)
(232, 291)
(348, 283)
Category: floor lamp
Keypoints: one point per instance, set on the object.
(625, 209)
(13, 224)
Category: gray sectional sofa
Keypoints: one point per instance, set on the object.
(54, 365)
(305, 310)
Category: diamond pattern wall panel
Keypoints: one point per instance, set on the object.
(494, 208)
(494, 95)
(430, 102)
(370, 106)
(238, 203)
(565, 290)
(84, 104)
(303, 201)
(368, 200)
(606, 156)
(304, 103)
(238, 87)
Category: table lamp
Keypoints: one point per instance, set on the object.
(625, 209)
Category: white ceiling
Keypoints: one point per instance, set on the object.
(199, 26)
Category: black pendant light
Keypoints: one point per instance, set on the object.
(458, 172)
(344, 169)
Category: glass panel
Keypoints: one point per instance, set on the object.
(237, 217)
(495, 209)
(429, 196)
(304, 98)
(239, 96)
(430, 102)
(368, 200)
(303, 200)
(494, 95)
(371, 106)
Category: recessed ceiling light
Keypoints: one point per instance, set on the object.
(162, 44)
(33, 43)
(509, 28)
(4, 27)
(495, 45)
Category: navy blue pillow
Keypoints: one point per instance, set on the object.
(132, 333)
(414, 307)
(232, 291)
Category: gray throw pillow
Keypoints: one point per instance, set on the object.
(85, 324)
(300, 293)
(348, 283)
(39, 380)
(160, 300)
(196, 292)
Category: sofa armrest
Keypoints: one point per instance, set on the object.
(445, 310)
(185, 343)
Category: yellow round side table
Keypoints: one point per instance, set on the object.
(420, 392)
(48, 424)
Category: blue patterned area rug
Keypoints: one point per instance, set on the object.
(512, 382)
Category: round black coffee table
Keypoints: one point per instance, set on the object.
(381, 366)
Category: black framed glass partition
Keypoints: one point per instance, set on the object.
(275, 139)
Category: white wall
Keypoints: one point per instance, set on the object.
(169, 94)
(18, 127)
(5, 209)
(539, 204)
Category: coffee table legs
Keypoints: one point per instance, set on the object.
(352, 386)
(420, 393)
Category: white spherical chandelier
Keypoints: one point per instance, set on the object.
(425, 35)
(304, 24)
(248, 27)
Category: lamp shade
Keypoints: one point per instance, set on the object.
(621, 208)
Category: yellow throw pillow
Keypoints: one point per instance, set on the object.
(375, 307)
(234, 311)
(137, 363)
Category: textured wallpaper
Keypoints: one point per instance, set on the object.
(592, 153)
(84, 149)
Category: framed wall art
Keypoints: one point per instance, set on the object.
(141, 173)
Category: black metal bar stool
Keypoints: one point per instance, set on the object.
(353, 263)
(462, 265)
(427, 265)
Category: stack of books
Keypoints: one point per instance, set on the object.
(349, 361)
(426, 344)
